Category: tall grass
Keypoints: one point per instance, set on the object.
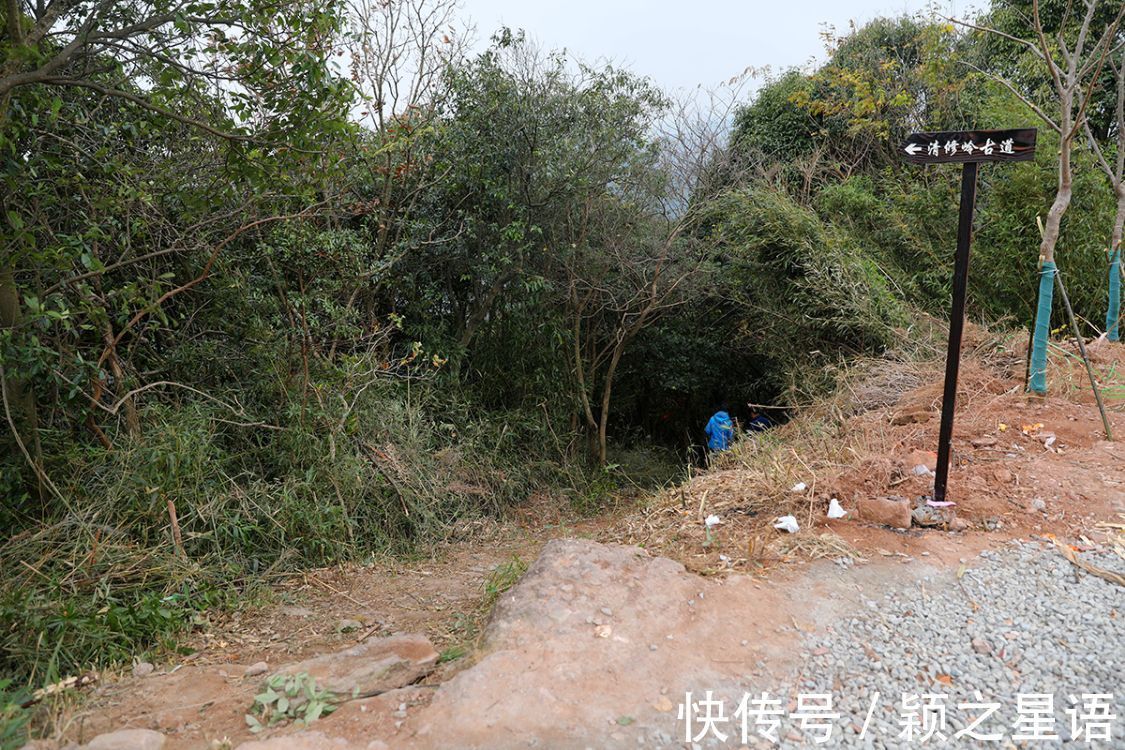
(201, 505)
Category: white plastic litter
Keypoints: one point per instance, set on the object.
(799, 487)
(787, 523)
(712, 520)
(835, 510)
(921, 470)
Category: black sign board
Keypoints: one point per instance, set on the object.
(969, 148)
(958, 147)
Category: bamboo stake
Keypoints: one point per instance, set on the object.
(1085, 359)
(177, 539)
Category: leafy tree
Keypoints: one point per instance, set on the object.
(93, 97)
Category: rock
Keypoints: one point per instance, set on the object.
(127, 739)
(1038, 505)
(928, 516)
(884, 510)
(256, 669)
(1002, 476)
(372, 667)
(981, 646)
(984, 441)
(300, 741)
(143, 669)
(292, 611)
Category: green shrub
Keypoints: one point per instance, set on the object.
(14, 717)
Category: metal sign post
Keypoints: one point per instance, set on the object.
(969, 148)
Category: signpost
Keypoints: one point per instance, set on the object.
(969, 148)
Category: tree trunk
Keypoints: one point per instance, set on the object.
(1058, 206)
(1113, 309)
(607, 391)
(21, 398)
(1119, 220)
(1037, 382)
(132, 419)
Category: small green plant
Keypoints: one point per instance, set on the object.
(13, 716)
(598, 490)
(289, 698)
(452, 654)
(502, 578)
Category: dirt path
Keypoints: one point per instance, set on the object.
(599, 643)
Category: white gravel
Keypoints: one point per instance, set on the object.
(1021, 621)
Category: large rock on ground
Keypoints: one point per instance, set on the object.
(887, 511)
(304, 741)
(370, 668)
(127, 739)
(595, 642)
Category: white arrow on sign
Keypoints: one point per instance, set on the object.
(913, 148)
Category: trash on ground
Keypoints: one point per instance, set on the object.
(835, 510)
(922, 470)
(712, 520)
(799, 487)
(787, 523)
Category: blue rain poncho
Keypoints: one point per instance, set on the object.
(720, 431)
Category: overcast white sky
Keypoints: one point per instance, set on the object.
(683, 44)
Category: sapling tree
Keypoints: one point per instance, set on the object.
(1073, 60)
(1110, 156)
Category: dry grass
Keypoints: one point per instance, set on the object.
(836, 446)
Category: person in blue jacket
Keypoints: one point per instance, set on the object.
(719, 431)
(758, 422)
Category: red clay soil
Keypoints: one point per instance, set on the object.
(1021, 465)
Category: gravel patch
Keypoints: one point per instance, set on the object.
(1022, 621)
